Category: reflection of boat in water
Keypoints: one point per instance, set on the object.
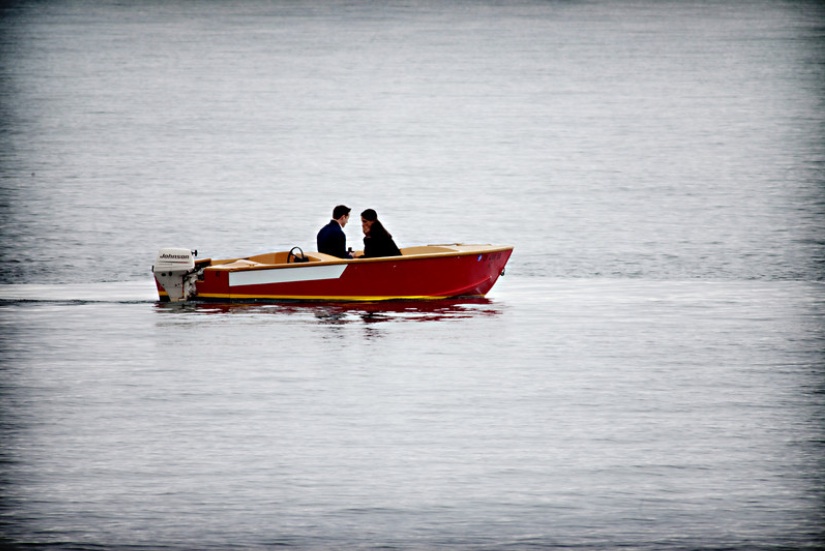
(421, 273)
(346, 312)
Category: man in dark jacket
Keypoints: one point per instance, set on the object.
(332, 239)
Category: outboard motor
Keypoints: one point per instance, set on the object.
(175, 270)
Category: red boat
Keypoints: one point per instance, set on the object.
(420, 273)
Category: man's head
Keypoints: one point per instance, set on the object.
(341, 214)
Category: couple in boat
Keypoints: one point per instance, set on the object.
(377, 240)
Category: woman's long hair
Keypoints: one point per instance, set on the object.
(377, 229)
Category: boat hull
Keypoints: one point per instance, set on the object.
(431, 272)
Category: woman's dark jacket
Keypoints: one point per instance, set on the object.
(379, 243)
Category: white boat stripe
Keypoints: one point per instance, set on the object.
(286, 275)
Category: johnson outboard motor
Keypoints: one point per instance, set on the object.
(175, 271)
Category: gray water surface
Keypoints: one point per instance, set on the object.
(649, 373)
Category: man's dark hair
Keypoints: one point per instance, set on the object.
(340, 211)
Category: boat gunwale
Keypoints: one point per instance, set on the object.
(226, 264)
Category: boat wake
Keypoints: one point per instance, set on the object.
(115, 292)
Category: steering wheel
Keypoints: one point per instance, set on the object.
(296, 257)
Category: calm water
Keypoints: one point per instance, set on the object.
(650, 373)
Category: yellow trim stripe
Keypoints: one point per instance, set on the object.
(330, 298)
(322, 297)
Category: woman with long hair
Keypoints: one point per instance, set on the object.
(377, 240)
